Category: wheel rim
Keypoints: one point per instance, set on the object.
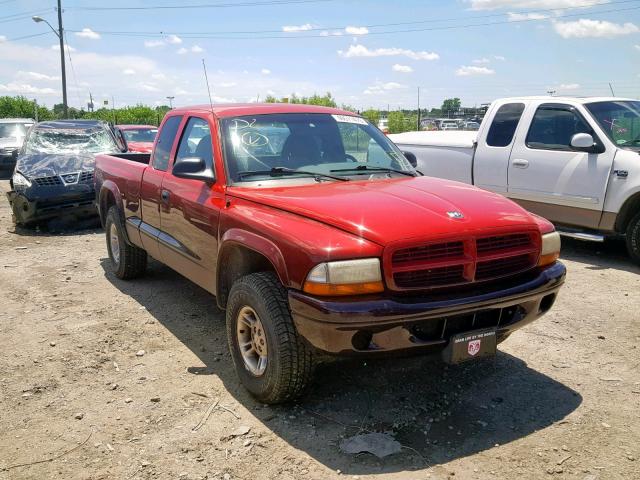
(252, 341)
(114, 243)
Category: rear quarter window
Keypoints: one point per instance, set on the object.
(504, 124)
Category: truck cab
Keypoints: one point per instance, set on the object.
(574, 161)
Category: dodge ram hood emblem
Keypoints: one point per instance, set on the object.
(455, 214)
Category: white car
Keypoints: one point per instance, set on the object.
(12, 134)
(572, 160)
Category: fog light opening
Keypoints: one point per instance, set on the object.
(547, 302)
(361, 340)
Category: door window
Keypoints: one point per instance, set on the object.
(504, 124)
(166, 137)
(553, 127)
(196, 141)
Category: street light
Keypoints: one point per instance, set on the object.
(60, 34)
(170, 102)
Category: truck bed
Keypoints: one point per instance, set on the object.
(440, 153)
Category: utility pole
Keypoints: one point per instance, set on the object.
(60, 34)
(35, 109)
(171, 101)
(418, 109)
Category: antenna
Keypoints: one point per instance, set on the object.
(206, 78)
(611, 88)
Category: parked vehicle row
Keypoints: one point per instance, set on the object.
(572, 160)
(319, 239)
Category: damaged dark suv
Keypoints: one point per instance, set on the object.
(54, 171)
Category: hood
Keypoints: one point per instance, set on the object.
(141, 147)
(48, 164)
(14, 142)
(388, 211)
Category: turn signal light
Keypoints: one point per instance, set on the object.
(328, 289)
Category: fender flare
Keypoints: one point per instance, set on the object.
(111, 187)
(258, 244)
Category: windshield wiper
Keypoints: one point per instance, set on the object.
(277, 171)
(375, 169)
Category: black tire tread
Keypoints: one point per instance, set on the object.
(296, 357)
(633, 238)
(133, 260)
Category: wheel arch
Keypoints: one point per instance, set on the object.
(243, 253)
(630, 209)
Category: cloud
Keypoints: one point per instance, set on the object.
(568, 86)
(197, 49)
(466, 71)
(523, 17)
(37, 76)
(481, 61)
(585, 28)
(519, 4)
(153, 43)
(402, 68)
(326, 33)
(174, 40)
(148, 87)
(226, 84)
(25, 89)
(380, 88)
(637, 47)
(499, 57)
(265, 71)
(67, 47)
(128, 71)
(88, 33)
(362, 51)
(356, 30)
(182, 51)
(3, 38)
(297, 28)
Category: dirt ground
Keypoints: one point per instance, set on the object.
(105, 379)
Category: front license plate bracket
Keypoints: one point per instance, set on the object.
(471, 345)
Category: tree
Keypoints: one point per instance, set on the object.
(450, 105)
(372, 115)
(22, 107)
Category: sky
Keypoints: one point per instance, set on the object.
(367, 53)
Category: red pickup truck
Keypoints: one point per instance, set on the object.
(319, 239)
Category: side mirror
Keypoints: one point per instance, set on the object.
(412, 158)
(583, 142)
(194, 168)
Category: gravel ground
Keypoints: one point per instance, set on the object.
(101, 379)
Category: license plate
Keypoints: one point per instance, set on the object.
(470, 346)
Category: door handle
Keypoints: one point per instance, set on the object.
(164, 195)
(520, 163)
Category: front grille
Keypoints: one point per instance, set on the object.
(86, 177)
(48, 181)
(465, 261)
(428, 252)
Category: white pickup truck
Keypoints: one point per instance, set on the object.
(575, 161)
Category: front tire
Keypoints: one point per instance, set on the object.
(271, 359)
(127, 261)
(633, 238)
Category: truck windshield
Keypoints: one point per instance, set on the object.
(620, 120)
(140, 135)
(322, 143)
(17, 130)
(71, 140)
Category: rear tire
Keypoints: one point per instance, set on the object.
(127, 261)
(633, 238)
(276, 370)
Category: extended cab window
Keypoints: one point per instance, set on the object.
(553, 126)
(196, 141)
(165, 141)
(504, 124)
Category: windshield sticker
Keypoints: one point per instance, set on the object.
(349, 119)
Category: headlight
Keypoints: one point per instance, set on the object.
(348, 277)
(550, 249)
(20, 182)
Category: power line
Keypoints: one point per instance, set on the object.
(205, 5)
(27, 36)
(23, 15)
(216, 36)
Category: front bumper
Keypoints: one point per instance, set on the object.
(43, 203)
(422, 325)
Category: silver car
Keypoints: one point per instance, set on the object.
(12, 134)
